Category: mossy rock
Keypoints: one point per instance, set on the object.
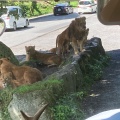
(5, 52)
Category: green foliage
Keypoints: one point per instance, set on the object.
(94, 69)
(5, 97)
(51, 90)
(68, 108)
(74, 3)
(33, 8)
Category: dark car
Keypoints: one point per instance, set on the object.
(62, 8)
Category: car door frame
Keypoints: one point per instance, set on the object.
(21, 17)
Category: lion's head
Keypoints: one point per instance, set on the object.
(30, 50)
(5, 79)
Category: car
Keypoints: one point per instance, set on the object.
(14, 17)
(62, 8)
(87, 6)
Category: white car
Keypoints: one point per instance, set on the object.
(87, 6)
(14, 17)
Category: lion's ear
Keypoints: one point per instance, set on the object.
(1, 62)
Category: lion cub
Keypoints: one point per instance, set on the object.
(46, 58)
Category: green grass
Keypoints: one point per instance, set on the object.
(50, 90)
(68, 108)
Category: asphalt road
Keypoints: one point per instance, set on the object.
(42, 33)
(38, 27)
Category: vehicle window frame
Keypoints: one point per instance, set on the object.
(100, 5)
(13, 12)
(21, 13)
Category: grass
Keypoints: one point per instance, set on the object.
(65, 106)
(51, 90)
(68, 107)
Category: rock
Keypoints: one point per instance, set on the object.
(71, 77)
(6, 52)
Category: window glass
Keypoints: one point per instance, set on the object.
(20, 12)
(84, 2)
(13, 11)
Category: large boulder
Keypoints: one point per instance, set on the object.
(5, 52)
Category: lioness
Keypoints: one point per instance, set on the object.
(53, 50)
(70, 34)
(46, 58)
(7, 79)
(25, 74)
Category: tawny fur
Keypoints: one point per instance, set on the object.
(7, 79)
(46, 58)
(21, 74)
(36, 116)
(82, 39)
(71, 34)
(53, 50)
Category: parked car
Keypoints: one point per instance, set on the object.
(14, 17)
(87, 6)
(62, 8)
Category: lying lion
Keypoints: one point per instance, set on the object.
(52, 50)
(70, 35)
(7, 79)
(46, 58)
(18, 75)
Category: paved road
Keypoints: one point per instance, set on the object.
(38, 27)
(42, 33)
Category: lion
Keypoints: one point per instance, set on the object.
(70, 34)
(82, 39)
(2, 84)
(53, 50)
(80, 22)
(24, 74)
(7, 79)
(46, 58)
